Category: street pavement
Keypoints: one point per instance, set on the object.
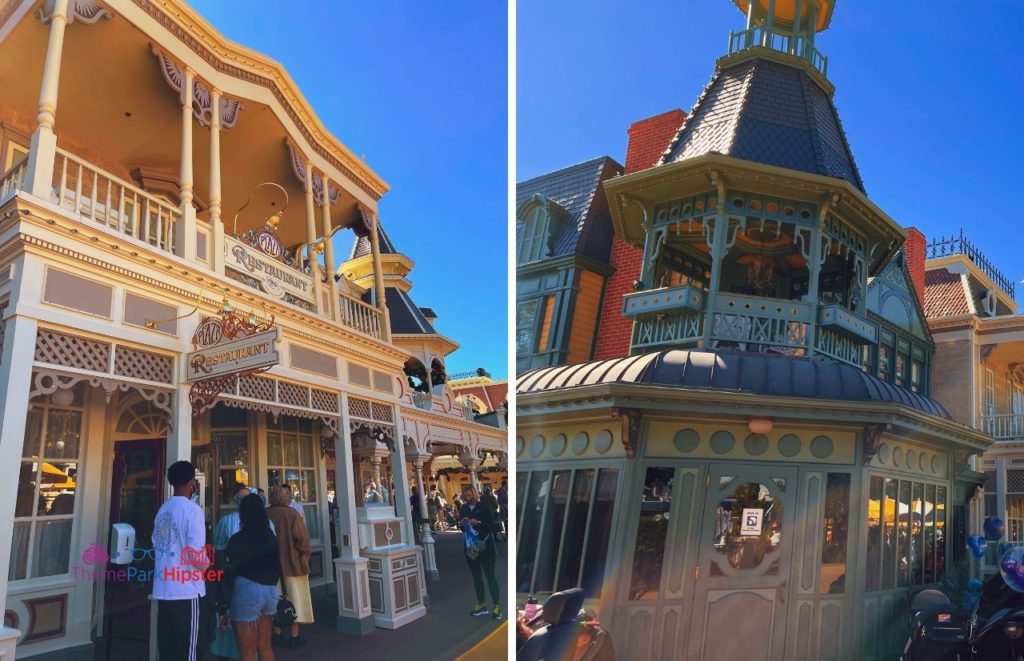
(444, 633)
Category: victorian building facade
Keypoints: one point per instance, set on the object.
(167, 207)
(979, 368)
(758, 435)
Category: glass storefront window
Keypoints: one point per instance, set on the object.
(291, 461)
(651, 534)
(874, 550)
(748, 524)
(551, 532)
(835, 530)
(44, 506)
(572, 511)
(906, 542)
(889, 538)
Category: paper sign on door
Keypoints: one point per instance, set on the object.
(752, 521)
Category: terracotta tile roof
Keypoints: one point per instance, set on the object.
(944, 294)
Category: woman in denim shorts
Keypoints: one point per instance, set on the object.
(255, 566)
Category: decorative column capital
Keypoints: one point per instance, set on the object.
(84, 11)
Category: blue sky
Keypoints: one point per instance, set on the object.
(420, 89)
(928, 93)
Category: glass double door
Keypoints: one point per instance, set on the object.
(709, 558)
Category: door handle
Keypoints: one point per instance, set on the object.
(780, 593)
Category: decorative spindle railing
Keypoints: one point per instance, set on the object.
(13, 180)
(756, 324)
(782, 42)
(113, 202)
(359, 316)
(959, 245)
(1003, 427)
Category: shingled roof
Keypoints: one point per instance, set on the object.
(944, 294)
(361, 246)
(764, 111)
(406, 317)
(575, 188)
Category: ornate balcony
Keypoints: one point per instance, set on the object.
(1003, 427)
(663, 300)
(757, 324)
(842, 321)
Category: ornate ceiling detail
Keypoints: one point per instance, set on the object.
(299, 168)
(202, 95)
(84, 11)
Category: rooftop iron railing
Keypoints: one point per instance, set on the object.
(959, 245)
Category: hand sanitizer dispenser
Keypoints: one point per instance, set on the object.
(122, 544)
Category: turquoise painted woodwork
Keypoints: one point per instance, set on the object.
(664, 299)
(845, 322)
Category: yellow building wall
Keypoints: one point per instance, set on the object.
(584, 320)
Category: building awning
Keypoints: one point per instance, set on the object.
(733, 371)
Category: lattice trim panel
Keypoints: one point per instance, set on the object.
(57, 348)
(47, 382)
(263, 393)
(145, 365)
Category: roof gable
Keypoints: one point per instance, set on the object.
(891, 297)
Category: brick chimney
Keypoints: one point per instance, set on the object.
(648, 138)
(914, 249)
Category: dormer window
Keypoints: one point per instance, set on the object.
(538, 222)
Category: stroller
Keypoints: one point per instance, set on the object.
(565, 636)
(449, 518)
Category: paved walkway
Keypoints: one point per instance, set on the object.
(446, 632)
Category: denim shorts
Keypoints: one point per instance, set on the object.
(251, 599)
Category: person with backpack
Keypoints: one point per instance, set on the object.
(478, 524)
(253, 570)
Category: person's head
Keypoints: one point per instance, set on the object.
(278, 496)
(182, 476)
(487, 490)
(242, 492)
(415, 492)
(262, 494)
(287, 488)
(469, 494)
(252, 515)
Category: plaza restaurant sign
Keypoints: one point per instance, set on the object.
(225, 348)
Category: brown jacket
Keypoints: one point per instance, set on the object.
(292, 540)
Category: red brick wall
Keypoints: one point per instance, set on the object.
(914, 251)
(648, 138)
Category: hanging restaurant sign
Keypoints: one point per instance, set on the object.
(225, 348)
(265, 265)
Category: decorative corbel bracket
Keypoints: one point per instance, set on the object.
(985, 351)
(299, 168)
(631, 423)
(872, 441)
(202, 95)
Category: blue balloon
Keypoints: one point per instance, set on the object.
(1011, 567)
(994, 529)
(977, 546)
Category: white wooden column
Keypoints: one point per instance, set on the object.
(15, 386)
(216, 223)
(43, 150)
(179, 439)
(378, 284)
(400, 474)
(351, 572)
(472, 463)
(329, 264)
(314, 261)
(185, 231)
(426, 537)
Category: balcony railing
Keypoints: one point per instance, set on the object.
(959, 245)
(1002, 427)
(782, 42)
(13, 180)
(756, 324)
(360, 316)
(665, 299)
(105, 199)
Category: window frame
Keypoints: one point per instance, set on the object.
(317, 504)
(548, 470)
